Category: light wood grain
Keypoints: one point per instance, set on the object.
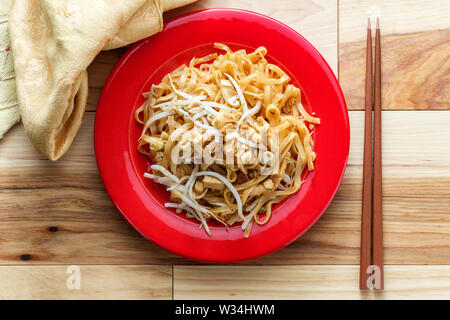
(415, 52)
(397, 17)
(97, 282)
(316, 20)
(98, 73)
(36, 194)
(307, 282)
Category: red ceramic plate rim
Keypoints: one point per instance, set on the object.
(138, 200)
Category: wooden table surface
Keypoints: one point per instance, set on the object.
(53, 215)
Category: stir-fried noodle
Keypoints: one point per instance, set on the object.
(228, 137)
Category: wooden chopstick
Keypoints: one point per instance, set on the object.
(366, 211)
(372, 210)
(377, 223)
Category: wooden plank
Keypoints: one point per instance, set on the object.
(316, 20)
(96, 282)
(396, 17)
(80, 242)
(98, 73)
(36, 194)
(415, 52)
(307, 282)
(416, 231)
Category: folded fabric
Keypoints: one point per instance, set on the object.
(9, 110)
(53, 42)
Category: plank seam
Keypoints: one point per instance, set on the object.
(173, 276)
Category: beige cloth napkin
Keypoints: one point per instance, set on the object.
(53, 42)
(9, 110)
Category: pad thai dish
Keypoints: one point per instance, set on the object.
(227, 136)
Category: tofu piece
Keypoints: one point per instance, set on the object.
(241, 177)
(213, 183)
(268, 184)
(199, 187)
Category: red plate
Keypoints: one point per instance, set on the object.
(116, 132)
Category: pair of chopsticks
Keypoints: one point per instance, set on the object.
(371, 274)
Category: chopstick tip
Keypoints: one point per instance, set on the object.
(368, 23)
(378, 22)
